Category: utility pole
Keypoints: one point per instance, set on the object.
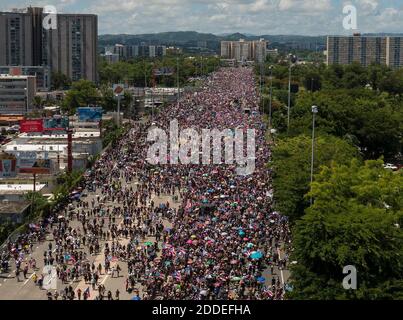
(271, 94)
(292, 60)
(314, 112)
(177, 78)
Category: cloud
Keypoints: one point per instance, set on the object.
(223, 16)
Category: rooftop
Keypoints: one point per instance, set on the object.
(7, 207)
(19, 188)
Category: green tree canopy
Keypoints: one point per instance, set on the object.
(355, 219)
(292, 163)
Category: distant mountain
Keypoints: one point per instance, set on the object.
(188, 39)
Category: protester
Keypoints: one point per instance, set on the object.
(219, 243)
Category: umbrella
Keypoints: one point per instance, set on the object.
(189, 242)
(261, 279)
(249, 245)
(241, 233)
(236, 278)
(136, 298)
(148, 243)
(193, 236)
(256, 255)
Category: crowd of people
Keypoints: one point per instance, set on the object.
(221, 241)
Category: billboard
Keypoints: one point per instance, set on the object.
(33, 125)
(8, 164)
(56, 124)
(29, 163)
(38, 166)
(89, 114)
(164, 71)
(118, 89)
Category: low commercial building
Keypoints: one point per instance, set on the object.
(53, 147)
(11, 211)
(17, 94)
(42, 74)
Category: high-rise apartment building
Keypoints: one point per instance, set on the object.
(365, 50)
(127, 52)
(244, 50)
(71, 48)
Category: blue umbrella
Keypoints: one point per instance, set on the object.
(136, 298)
(256, 255)
(241, 233)
(261, 279)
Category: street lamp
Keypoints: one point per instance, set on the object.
(261, 85)
(314, 112)
(271, 93)
(292, 60)
(177, 78)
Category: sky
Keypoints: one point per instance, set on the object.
(258, 17)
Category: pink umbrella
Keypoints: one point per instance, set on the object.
(189, 242)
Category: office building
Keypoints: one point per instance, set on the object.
(16, 94)
(42, 74)
(365, 50)
(71, 48)
(243, 51)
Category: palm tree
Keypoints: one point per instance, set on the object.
(38, 102)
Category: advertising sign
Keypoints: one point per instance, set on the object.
(39, 166)
(29, 163)
(11, 118)
(89, 114)
(164, 71)
(56, 124)
(118, 89)
(33, 125)
(7, 165)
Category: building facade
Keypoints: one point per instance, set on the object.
(243, 51)
(71, 48)
(365, 50)
(16, 94)
(42, 74)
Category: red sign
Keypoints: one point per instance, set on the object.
(35, 125)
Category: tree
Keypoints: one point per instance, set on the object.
(312, 81)
(393, 83)
(38, 102)
(355, 220)
(292, 163)
(59, 81)
(81, 94)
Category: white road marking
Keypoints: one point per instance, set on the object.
(26, 281)
(106, 277)
(281, 271)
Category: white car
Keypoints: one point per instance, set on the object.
(390, 166)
